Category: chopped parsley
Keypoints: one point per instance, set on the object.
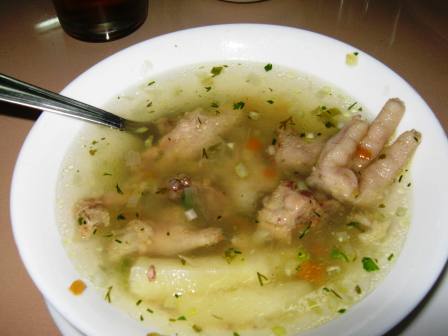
(138, 302)
(305, 231)
(356, 225)
(150, 310)
(119, 189)
(382, 156)
(231, 253)
(215, 71)
(182, 260)
(107, 174)
(235, 334)
(151, 83)
(390, 257)
(400, 178)
(287, 122)
(107, 296)
(214, 104)
(92, 151)
(352, 106)
(141, 317)
(261, 278)
(268, 67)
(329, 124)
(121, 217)
(238, 106)
(182, 318)
(330, 290)
(369, 264)
(196, 328)
(204, 153)
(358, 289)
(207, 88)
(342, 311)
(118, 241)
(270, 101)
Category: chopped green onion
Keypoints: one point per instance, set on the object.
(215, 71)
(241, 170)
(261, 278)
(196, 328)
(338, 254)
(239, 105)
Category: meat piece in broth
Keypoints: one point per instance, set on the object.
(334, 172)
(91, 214)
(293, 153)
(162, 238)
(195, 131)
(286, 210)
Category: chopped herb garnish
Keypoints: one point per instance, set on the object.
(330, 290)
(182, 318)
(342, 311)
(261, 278)
(316, 213)
(151, 83)
(235, 334)
(369, 264)
(107, 296)
(94, 231)
(196, 328)
(149, 104)
(207, 88)
(268, 67)
(400, 178)
(357, 225)
(416, 139)
(338, 254)
(118, 241)
(81, 221)
(305, 231)
(287, 122)
(390, 257)
(217, 317)
(150, 310)
(358, 289)
(352, 105)
(107, 174)
(270, 101)
(204, 154)
(274, 141)
(215, 105)
(329, 124)
(215, 71)
(356, 53)
(231, 253)
(108, 235)
(278, 331)
(382, 156)
(121, 217)
(409, 184)
(138, 302)
(92, 151)
(238, 106)
(382, 206)
(182, 260)
(118, 189)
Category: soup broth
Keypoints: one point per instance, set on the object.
(202, 230)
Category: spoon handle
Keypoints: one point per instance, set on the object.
(21, 93)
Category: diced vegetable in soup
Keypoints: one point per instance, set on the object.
(268, 204)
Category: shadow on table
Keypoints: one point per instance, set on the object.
(401, 327)
(17, 111)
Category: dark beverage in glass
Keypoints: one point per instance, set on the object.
(100, 20)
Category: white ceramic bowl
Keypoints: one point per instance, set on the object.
(370, 82)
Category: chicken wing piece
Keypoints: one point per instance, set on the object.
(91, 214)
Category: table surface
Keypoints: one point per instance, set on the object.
(411, 37)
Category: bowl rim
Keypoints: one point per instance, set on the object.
(229, 31)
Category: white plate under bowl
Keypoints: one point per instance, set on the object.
(370, 82)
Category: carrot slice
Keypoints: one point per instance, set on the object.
(77, 287)
(311, 272)
(363, 153)
(254, 144)
(270, 172)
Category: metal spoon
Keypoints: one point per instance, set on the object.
(21, 93)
